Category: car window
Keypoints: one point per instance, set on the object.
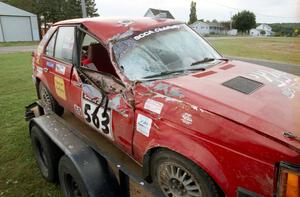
(45, 39)
(64, 44)
(51, 45)
(163, 49)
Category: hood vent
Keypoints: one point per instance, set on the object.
(244, 85)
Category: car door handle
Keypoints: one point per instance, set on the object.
(45, 70)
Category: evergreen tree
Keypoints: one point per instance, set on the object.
(193, 14)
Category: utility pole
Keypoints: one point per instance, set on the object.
(83, 8)
(230, 20)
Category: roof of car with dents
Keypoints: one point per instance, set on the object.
(107, 28)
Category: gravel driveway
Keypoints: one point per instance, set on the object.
(14, 49)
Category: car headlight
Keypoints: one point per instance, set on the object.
(288, 182)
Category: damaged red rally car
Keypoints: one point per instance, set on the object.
(199, 124)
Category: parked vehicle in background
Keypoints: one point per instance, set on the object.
(199, 124)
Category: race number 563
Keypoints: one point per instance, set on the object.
(100, 120)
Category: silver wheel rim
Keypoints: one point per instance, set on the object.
(45, 96)
(175, 180)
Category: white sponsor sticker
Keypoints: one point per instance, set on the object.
(156, 30)
(153, 106)
(39, 70)
(187, 118)
(143, 124)
(60, 69)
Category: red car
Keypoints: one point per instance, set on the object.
(199, 124)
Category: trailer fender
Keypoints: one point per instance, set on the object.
(93, 169)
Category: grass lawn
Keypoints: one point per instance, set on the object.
(9, 44)
(19, 174)
(280, 49)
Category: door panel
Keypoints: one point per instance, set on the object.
(58, 65)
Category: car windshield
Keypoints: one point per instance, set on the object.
(163, 51)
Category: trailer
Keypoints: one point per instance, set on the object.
(84, 162)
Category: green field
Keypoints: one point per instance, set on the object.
(281, 49)
(19, 175)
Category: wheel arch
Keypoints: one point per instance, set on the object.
(215, 173)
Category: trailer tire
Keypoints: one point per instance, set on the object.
(49, 100)
(172, 172)
(46, 154)
(70, 180)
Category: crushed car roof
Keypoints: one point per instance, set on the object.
(109, 28)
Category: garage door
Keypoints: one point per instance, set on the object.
(16, 28)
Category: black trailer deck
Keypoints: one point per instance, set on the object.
(68, 127)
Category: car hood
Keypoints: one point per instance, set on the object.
(261, 98)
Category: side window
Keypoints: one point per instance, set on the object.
(50, 46)
(94, 56)
(65, 44)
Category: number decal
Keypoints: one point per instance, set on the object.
(100, 120)
(96, 121)
(105, 123)
(87, 107)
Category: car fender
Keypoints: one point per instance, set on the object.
(191, 149)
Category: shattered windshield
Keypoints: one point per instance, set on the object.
(161, 51)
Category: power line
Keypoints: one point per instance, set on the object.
(256, 13)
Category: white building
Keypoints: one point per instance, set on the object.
(266, 28)
(232, 32)
(262, 30)
(17, 24)
(215, 28)
(200, 27)
(151, 12)
(254, 32)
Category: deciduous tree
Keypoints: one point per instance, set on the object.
(244, 21)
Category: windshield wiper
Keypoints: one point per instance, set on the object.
(207, 59)
(164, 73)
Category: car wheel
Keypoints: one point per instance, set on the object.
(177, 176)
(71, 182)
(46, 154)
(49, 100)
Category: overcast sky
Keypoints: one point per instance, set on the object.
(266, 11)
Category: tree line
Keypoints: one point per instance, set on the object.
(51, 11)
(245, 20)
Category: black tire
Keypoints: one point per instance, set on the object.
(70, 180)
(168, 174)
(46, 154)
(49, 100)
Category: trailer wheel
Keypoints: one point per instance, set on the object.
(49, 100)
(71, 182)
(177, 176)
(46, 154)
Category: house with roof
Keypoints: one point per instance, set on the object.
(207, 28)
(17, 24)
(215, 28)
(262, 30)
(200, 27)
(151, 12)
